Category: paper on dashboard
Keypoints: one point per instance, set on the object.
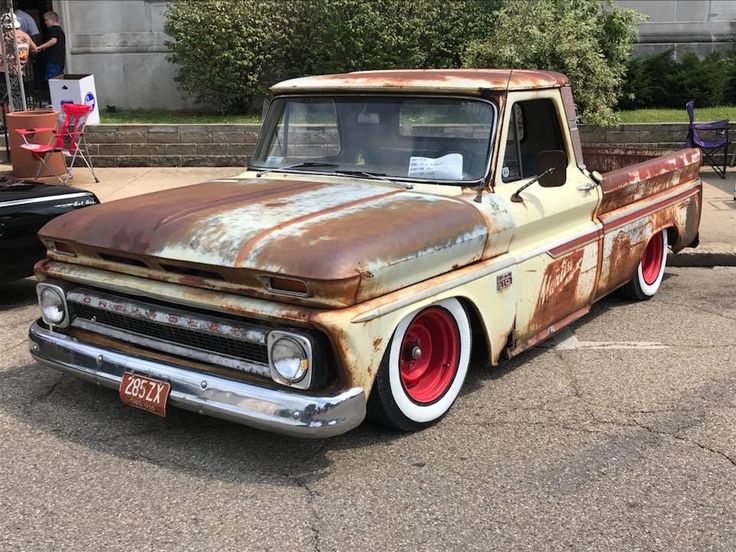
(447, 167)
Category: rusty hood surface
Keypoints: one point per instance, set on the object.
(348, 240)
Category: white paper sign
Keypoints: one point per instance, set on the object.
(447, 167)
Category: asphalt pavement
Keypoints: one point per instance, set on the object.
(617, 435)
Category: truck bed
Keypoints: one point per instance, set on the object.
(630, 175)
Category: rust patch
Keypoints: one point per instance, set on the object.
(354, 238)
(619, 266)
(377, 345)
(629, 184)
(686, 235)
(130, 225)
(557, 294)
(436, 80)
(247, 247)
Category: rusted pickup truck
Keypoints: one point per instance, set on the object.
(393, 228)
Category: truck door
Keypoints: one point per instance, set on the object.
(556, 240)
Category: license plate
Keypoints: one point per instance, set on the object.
(145, 393)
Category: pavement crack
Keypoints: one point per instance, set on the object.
(575, 386)
(314, 526)
(14, 345)
(675, 436)
(699, 309)
(50, 390)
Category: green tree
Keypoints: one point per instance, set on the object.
(588, 40)
(226, 51)
(229, 52)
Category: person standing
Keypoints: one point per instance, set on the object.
(27, 23)
(55, 46)
(11, 65)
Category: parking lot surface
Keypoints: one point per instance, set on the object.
(617, 435)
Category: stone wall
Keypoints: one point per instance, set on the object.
(230, 145)
(171, 145)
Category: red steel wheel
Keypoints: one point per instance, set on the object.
(430, 353)
(651, 263)
(424, 367)
(650, 271)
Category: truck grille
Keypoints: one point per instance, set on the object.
(223, 342)
(173, 334)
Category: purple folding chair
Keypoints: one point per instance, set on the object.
(709, 147)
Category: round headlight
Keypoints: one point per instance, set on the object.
(52, 306)
(289, 359)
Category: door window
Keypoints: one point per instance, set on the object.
(534, 127)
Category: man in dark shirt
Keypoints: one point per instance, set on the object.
(56, 46)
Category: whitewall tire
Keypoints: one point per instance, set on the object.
(650, 270)
(424, 368)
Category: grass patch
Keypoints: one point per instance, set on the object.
(162, 116)
(702, 115)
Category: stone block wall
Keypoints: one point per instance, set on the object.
(171, 145)
(645, 135)
(231, 145)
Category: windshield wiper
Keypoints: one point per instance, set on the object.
(304, 165)
(372, 175)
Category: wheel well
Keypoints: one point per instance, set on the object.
(481, 350)
(672, 235)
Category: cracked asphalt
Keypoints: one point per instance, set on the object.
(624, 440)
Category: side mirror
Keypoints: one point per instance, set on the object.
(555, 160)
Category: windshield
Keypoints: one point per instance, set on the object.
(413, 138)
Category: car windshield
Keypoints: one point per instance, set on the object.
(408, 138)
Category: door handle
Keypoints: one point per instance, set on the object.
(586, 187)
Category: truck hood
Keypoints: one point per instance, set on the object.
(347, 240)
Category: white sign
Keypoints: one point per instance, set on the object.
(447, 167)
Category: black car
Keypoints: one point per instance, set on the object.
(25, 207)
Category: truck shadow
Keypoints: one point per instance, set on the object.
(479, 373)
(67, 409)
(18, 294)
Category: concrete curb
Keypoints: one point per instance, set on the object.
(704, 256)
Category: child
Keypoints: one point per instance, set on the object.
(56, 46)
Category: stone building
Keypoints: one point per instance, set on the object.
(700, 26)
(121, 42)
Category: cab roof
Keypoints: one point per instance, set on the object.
(459, 81)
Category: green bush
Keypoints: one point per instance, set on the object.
(226, 51)
(588, 40)
(229, 52)
(660, 80)
(349, 35)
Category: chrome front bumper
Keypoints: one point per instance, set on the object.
(280, 411)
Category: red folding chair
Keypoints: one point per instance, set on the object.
(67, 139)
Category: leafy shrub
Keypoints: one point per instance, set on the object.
(660, 80)
(588, 40)
(226, 51)
(229, 52)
